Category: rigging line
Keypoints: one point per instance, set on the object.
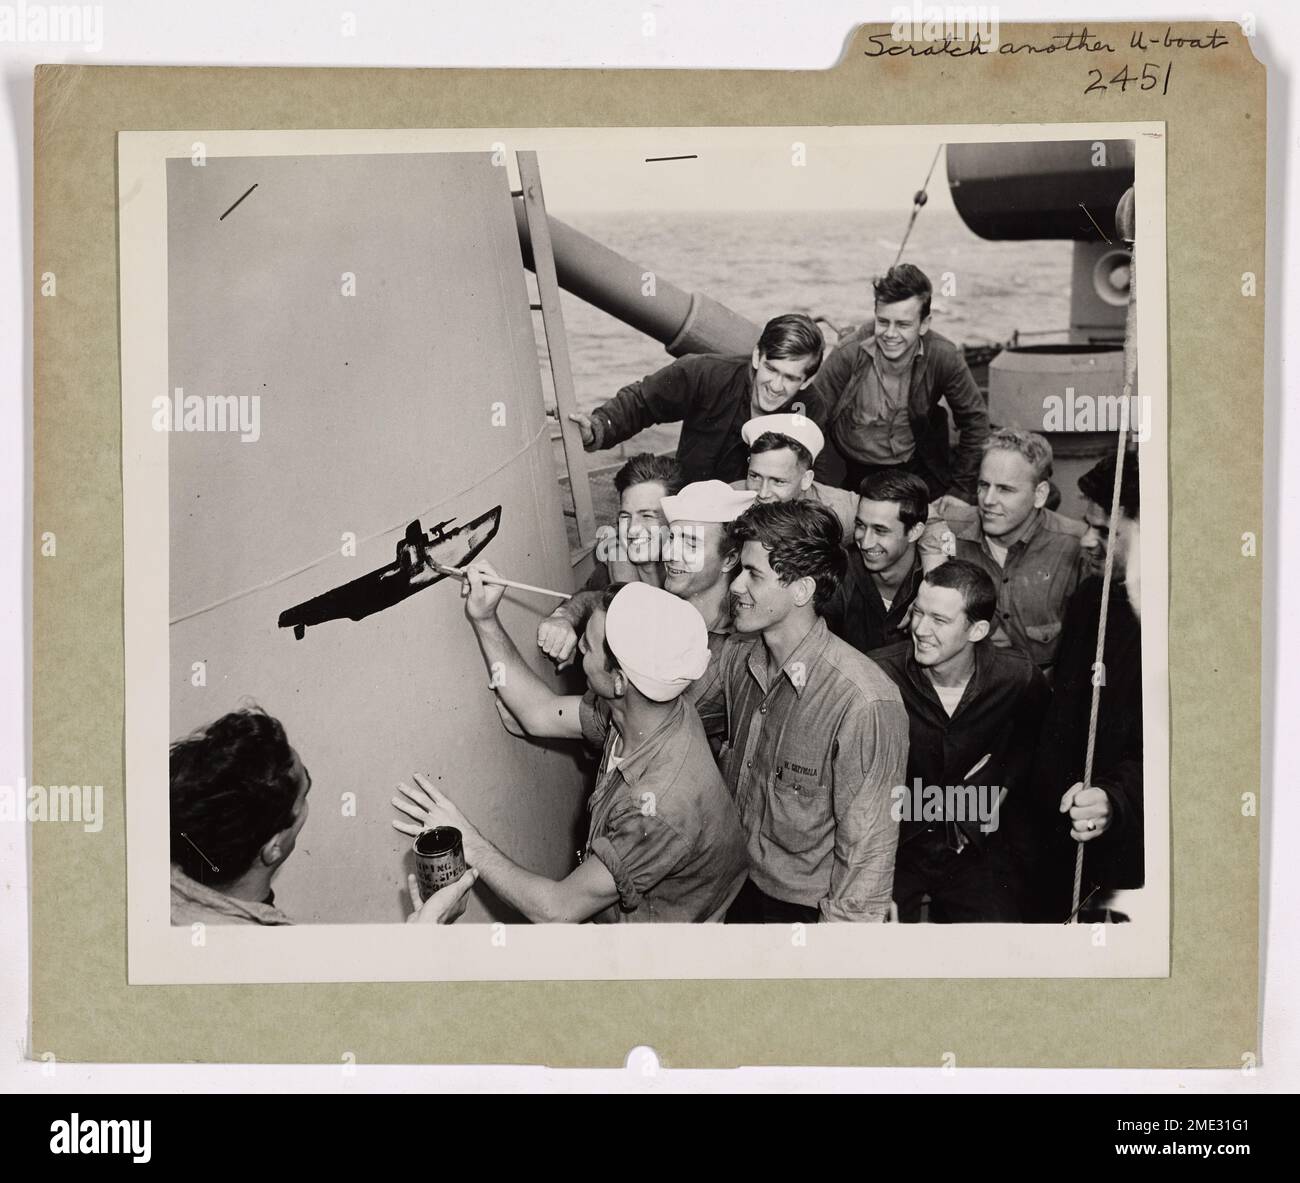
(1130, 377)
(917, 202)
(287, 575)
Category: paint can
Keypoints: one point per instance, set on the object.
(439, 859)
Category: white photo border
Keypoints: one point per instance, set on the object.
(159, 953)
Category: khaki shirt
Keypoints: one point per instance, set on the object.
(1035, 583)
(876, 427)
(196, 903)
(811, 759)
(663, 824)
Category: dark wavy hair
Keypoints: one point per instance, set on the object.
(901, 283)
(803, 539)
(978, 595)
(791, 336)
(906, 488)
(233, 787)
(645, 467)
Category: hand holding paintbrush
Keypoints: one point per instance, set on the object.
(486, 575)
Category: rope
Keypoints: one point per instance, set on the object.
(917, 202)
(1130, 378)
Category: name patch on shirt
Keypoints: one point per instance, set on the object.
(802, 769)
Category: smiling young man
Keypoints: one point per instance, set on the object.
(700, 565)
(870, 609)
(632, 553)
(712, 396)
(1031, 553)
(817, 735)
(879, 394)
(663, 842)
(782, 452)
(974, 713)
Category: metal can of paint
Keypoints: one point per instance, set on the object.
(439, 859)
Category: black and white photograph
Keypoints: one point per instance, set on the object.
(645, 553)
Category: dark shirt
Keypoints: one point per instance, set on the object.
(664, 825)
(999, 715)
(709, 394)
(939, 372)
(811, 758)
(858, 615)
(1115, 860)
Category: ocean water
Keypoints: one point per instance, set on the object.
(820, 263)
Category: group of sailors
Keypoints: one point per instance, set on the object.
(837, 668)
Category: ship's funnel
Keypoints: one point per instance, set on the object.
(395, 363)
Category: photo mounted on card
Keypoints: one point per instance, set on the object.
(634, 553)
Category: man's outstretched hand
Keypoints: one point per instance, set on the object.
(588, 429)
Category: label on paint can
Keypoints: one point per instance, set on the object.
(439, 859)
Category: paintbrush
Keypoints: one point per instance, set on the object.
(459, 573)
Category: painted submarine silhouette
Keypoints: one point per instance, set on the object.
(416, 566)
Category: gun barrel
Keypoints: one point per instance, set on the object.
(685, 322)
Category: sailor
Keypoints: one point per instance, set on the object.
(871, 607)
(1107, 814)
(817, 734)
(1032, 553)
(782, 452)
(712, 396)
(238, 798)
(700, 561)
(664, 843)
(632, 553)
(974, 713)
(878, 394)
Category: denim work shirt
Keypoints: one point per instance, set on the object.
(811, 759)
(1034, 586)
(663, 824)
(705, 694)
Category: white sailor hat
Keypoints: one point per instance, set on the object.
(661, 641)
(709, 501)
(799, 428)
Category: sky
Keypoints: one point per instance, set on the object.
(742, 169)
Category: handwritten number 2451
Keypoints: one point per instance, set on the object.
(1149, 79)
